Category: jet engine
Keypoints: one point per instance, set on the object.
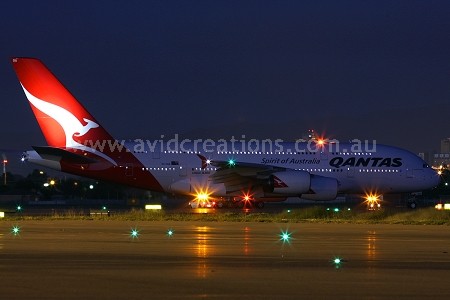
(290, 182)
(322, 188)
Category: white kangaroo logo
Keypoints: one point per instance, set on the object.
(69, 123)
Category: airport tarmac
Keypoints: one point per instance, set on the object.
(101, 260)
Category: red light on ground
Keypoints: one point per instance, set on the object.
(246, 196)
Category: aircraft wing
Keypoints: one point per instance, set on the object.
(237, 176)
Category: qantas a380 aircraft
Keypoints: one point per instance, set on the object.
(259, 171)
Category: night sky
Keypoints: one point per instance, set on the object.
(268, 69)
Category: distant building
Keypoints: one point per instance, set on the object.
(445, 145)
(309, 135)
(442, 159)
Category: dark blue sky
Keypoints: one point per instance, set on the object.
(273, 69)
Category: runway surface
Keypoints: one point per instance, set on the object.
(100, 260)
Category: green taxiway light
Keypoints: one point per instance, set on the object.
(170, 232)
(15, 230)
(134, 233)
(231, 162)
(337, 261)
(285, 236)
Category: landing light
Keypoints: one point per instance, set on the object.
(373, 201)
(202, 196)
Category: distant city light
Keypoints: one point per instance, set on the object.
(153, 207)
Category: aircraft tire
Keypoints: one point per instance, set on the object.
(412, 204)
(260, 204)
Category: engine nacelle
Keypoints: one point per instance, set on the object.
(290, 182)
(322, 188)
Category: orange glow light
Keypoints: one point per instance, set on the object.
(373, 201)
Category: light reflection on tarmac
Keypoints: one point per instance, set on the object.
(99, 260)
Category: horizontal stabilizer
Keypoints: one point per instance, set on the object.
(52, 153)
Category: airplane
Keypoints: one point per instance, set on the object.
(254, 171)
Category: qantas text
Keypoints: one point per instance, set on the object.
(338, 162)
